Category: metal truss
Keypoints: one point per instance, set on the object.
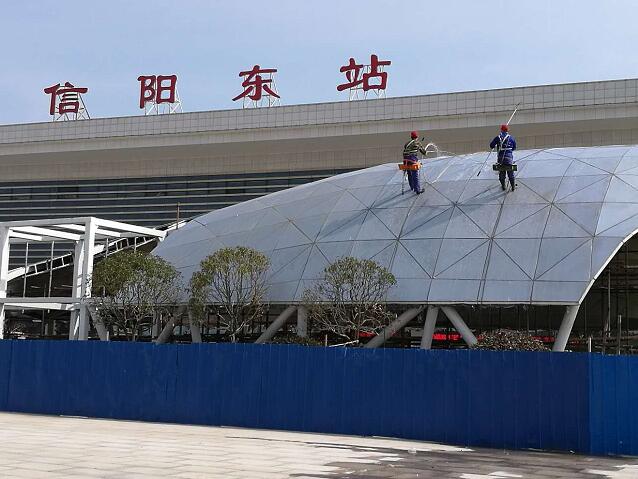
(86, 233)
(151, 107)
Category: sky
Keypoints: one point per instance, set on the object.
(434, 47)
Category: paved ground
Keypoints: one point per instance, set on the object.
(55, 447)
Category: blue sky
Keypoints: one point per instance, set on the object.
(434, 47)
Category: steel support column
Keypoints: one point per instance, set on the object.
(276, 325)
(459, 325)
(167, 331)
(76, 292)
(302, 321)
(428, 327)
(391, 329)
(565, 328)
(4, 273)
(87, 273)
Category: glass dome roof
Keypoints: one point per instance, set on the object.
(462, 241)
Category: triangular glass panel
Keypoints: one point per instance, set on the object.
(545, 168)
(314, 205)
(573, 184)
(461, 226)
(282, 257)
(554, 250)
(347, 202)
(385, 256)
(427, 222)
(451, 190)
(311, 225)
(632, 171)
(471, 266)
(559, 225)
(424, 251)
(602, 251)
(523, 251)
(392, 218)
(484, 216)
(335, 250)
(454, 291)
(430, 197)
(374, 229)
(478, 192)
(544, 187)
(625, 228)
(594, 193)
(561, 292)
(574, 267)
(372, 178)
(265, 238)
(514, 214)
(455, 250)
(342, 226)
(631, 180)
(612, 214)
(366, 195)
(523, 196)
(316, 264)
(369, 249)
(293, 270)
(270, 216)
(584, 214)
(579, 168)
(406, 266)
(627, 163)
(620, 192)
(530, 227)
(290, 235)
(608, 164)
(515, 292)
(502, 267)
(391, 197)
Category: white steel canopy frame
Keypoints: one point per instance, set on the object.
(84, 232)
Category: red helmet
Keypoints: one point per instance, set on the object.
(414, 134)
(505, 128)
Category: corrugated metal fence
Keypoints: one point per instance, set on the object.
(577, 402)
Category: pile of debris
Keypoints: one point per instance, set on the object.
(509, 340)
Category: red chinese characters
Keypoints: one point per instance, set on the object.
(153, 87)
(360, 76)
(255, 84)
(64, 99)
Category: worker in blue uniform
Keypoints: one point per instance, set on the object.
(505, 144)
(410, 151)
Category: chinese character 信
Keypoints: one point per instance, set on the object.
(66, 98)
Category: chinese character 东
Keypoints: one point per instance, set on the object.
(359, 75)
(255, 85)
(152, 88)
(66, 98)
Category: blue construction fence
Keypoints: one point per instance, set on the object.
(556, 401)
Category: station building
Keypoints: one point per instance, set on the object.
(154, 169)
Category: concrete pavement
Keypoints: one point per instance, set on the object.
(63, 447)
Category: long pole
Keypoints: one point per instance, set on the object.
(490, 153)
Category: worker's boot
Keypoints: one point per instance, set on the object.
(503, 185)
(513, 184)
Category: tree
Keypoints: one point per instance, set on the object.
(350, 298)
(233, 281)
(132, 289)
